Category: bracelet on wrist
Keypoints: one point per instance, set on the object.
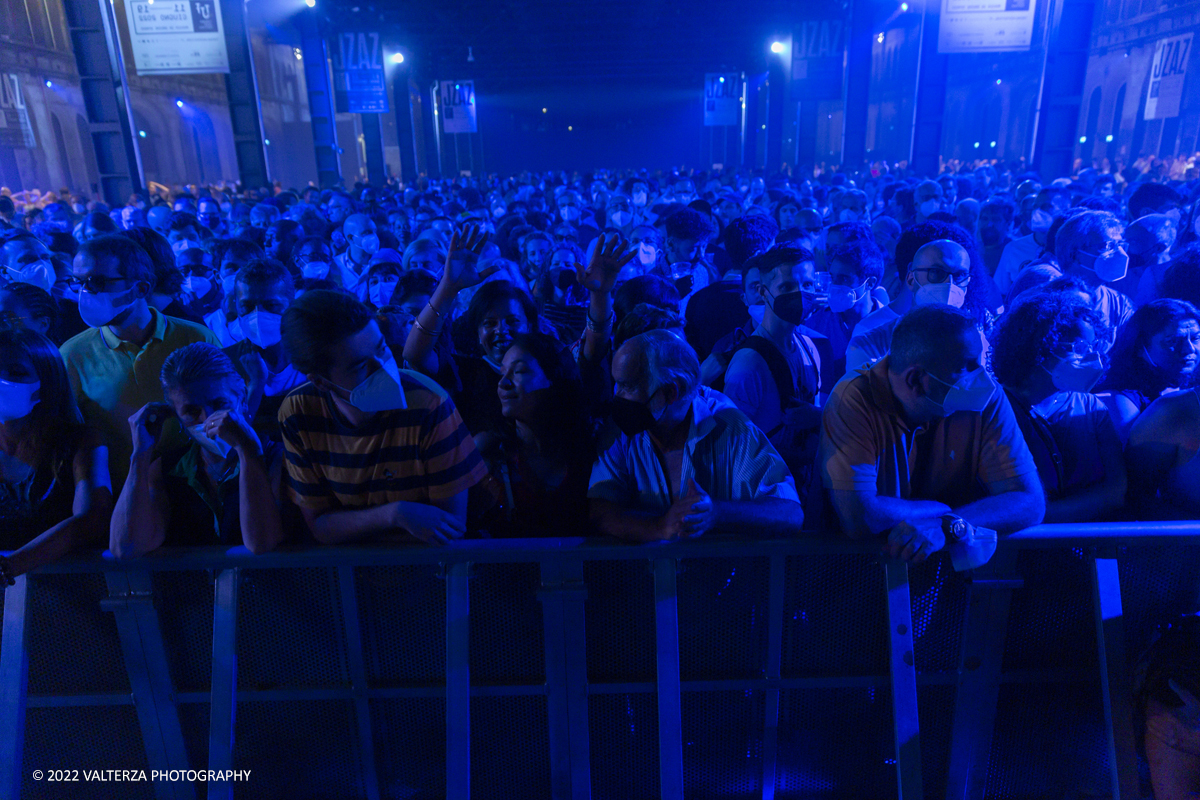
(426, 331)
(607, 325)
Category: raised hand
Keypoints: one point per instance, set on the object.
(233, 429)
(146, 425)
(462, 261)
(611, 254)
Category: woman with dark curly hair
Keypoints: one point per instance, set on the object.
(1156, 352)
(1046, 352)
(540, 457)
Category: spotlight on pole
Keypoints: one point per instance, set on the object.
(1083, 140)
(49, 84)
(397, 58)
(993, 144)
(904, 7)
(776, 47)
(179, 103)
(977, 145)
(1108, 138)
(310, 3)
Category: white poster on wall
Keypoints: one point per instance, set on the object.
(985, 26)
(1167, 72)
(176, 37)
(456, 104)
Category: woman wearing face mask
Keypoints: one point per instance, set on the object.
(222, 488)
(314, 258)
(561, 300)
(498, 311)
(381, 279)
(55, 493)
(540, 456)
(1155, 353)
(1046, 353)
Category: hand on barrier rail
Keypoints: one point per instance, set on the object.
(690, 515)
(915, 540)
(428, 523)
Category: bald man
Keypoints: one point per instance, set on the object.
(940, 274)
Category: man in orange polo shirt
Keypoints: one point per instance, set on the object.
(924, 447)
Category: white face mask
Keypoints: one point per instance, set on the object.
(38, 273)
(195, 287)
(381, 391)
(620, 218)
(229, 283)
(218, 447)
(930, 207)
(262, 327)
(316, 270)
(847, 215)
(184, 244)
(381, 293)
(948, 293)
(97, 310)
(1111, 266)
(647, 255)
(1077, 377)
(639, 199)
(972, 392)
(16, 399)
(569, 213)
(368, 243)
(1040, 220)
(843, 298)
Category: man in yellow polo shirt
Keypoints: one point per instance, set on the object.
(114, 365)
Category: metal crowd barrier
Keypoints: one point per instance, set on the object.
(572, 668)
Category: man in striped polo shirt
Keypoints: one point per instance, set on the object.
(371, 449)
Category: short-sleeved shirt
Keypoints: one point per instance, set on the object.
(834, 328)
(203, 513)
(112, 379)
(1114, 308)
(420, 453)
(1016, 256)
(872, 340)
(750, 385)
(867, 446)
(726, 455)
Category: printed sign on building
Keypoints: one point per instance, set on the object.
(985, 26)
(722, 98)
(183, 37)
(456, 104)
(15, 128)
(359, 82)
(1167, 72)
(818, 57)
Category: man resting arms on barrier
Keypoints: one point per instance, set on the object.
(924, 447)
(688, 461)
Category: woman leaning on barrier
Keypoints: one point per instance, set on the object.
(55, 494)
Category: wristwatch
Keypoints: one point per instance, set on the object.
(955, 528)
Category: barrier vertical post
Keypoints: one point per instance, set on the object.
(223, 701)
(903, 672)
(132, 603)
(775, 612)
(562, 595)
(14, 685)
(670, 714)
(358, 678)
(458, 681)
(1114, 678)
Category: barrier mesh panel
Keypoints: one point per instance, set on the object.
(1051, 623)
(835, 616)
(623, 730)
(297, 749)
(722, 744)
(90, 737)
(939, 598)
(1158, 584)
(723, 617)
(835, 743)
(290, 630)
(1049, 742)
(193, 719)
(184, 601)
(402, 614)
(620, 621)
(935, 708)
(73, 643)
(410, 747)
(510, 747)
(506, 625)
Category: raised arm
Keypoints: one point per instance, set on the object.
(139, 520)
(598, 277)
(258, 500)
(461, 272)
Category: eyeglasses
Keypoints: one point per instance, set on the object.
(939, 275)
(94, 284)
(1079, 348)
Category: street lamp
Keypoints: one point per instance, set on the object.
(777, 47)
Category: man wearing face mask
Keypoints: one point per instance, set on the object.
(939, 274)
(1048, 204)
(113, 366)
(774, 377)
(995, 226)
(618, 214)
(359, 231)
(688, 461)
(923, 451)
(210, 216)
(183, 232)
(928, 199)
(1046, 355)
(688, 233)
(373, 450)
(1091, 247)
(855, 269)
(27, 260)
(853, 207)
(162, 503)
(264, 290)
(1150, 238)
(571, 211)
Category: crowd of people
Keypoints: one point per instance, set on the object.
(933, 363)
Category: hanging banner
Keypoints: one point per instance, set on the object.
(1167, 72)
(985, 26)
(359, 82)
(818, 57)
(15, 128)
(184, 37)
(456, 104)
(722, 98)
